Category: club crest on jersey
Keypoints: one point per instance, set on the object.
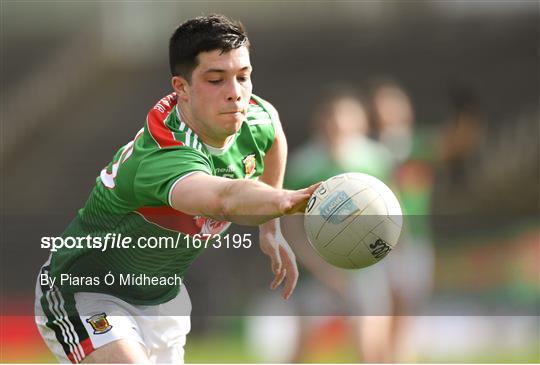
(250, 163)
(99, 323)
(209, 226)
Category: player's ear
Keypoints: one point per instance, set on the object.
(181, 87)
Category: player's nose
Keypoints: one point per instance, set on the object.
(234, 92)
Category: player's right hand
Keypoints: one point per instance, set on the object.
(295, 201)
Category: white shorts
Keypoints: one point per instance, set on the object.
(75, 325)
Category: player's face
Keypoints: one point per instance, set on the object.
(343, 120)
(220, 90)
(393, 107)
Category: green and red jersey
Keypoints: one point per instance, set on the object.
(132, 197)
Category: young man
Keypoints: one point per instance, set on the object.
(190, 170)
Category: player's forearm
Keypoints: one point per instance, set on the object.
(243, 201)
(251, 202)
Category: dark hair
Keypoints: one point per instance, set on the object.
(203, 34)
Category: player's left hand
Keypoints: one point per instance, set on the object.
(282, 259)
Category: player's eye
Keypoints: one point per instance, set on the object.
(214, 81)
(243, 78)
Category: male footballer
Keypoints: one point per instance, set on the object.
(209, 153)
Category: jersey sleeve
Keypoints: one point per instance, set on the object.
(157, 173)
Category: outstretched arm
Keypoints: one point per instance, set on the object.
(244, 202)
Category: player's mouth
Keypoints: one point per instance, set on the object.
(234, 112)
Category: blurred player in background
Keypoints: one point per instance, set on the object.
(340, 143)
(407, 273)
(462, 135)
(190, 170)
(387, 292)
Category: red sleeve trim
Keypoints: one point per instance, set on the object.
(156, 118)
(170, 219)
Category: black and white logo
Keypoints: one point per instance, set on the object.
(311, 203)
(379, 249)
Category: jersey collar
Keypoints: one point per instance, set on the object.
(212, 150)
